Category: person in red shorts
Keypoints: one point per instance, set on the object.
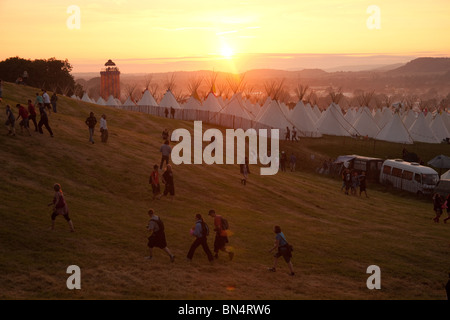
(221, 236)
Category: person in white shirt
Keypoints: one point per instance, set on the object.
(104, 128)
(46, 99)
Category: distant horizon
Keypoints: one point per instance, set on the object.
(284, 62)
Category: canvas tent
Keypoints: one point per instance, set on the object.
(395, 131)
(420, 131)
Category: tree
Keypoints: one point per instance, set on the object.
(51, 74)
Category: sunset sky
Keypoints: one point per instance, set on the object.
(233, 35)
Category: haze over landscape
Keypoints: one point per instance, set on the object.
(345, 85)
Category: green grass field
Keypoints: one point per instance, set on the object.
(336, 237)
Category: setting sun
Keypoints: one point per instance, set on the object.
(226, 51)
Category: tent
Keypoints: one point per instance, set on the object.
(439, 129)
(420, 131)
(111, 102)
(86, 98)
(274, 117)
(169, 101)
(129, 102)
(101, 102)
(409, 118)
(303, 122)
(440, 162)
(332, 122)
(386, 117)
(365, 124)
(147, 99)
(446, 176)
(395, 131)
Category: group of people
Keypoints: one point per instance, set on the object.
(291, 136)
(351, 181)
(27, 114)
(200, 231)
(284, 161)
(172, 112)
(440, 204)
(91, 122)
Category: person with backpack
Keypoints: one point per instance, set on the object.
(60, 207)
(91, 121)
(154, 181)
(158, 236)
(284, 249)
(44, 121)
(220, 227)
(200, 231)
(10, 121)
(24, 123)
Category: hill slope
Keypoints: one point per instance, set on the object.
(336, 237)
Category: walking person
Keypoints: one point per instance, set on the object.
(60, 207)
(362, 184)
(154, 181)
(437, 205)
(293, 162)
(167, 178)
(172, 112)
(44, 121)
(355, 183)
(10, 121)
(157, 237)
(32, 114)
(347, 180)
(165, 134)
(294, 134)
(38, 100)
(245, 170)
(283, 250)
(288, 134)
(53, 101)
(221, 238)
(91, 121)
(447, 207)
(23, 113)
(200, 231)
(165, 150)
(104, 128)
(47, 101)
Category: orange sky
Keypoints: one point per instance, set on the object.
(151, 36)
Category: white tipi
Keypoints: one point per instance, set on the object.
(395, 131)
(420, 131)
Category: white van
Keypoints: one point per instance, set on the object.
(409, 176)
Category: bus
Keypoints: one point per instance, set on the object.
(409, 176)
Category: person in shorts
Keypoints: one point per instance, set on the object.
(154, 181)
(158, 236)
(283, 250)
(60, 207)
(10, 121)
(23, 113)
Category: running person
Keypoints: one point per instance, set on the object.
(158, 236)
(221, 235)
(283, 250)
(60, 207)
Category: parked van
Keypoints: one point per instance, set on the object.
(371, 166)
(409, 176)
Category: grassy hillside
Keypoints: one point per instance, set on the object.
(336, 237)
